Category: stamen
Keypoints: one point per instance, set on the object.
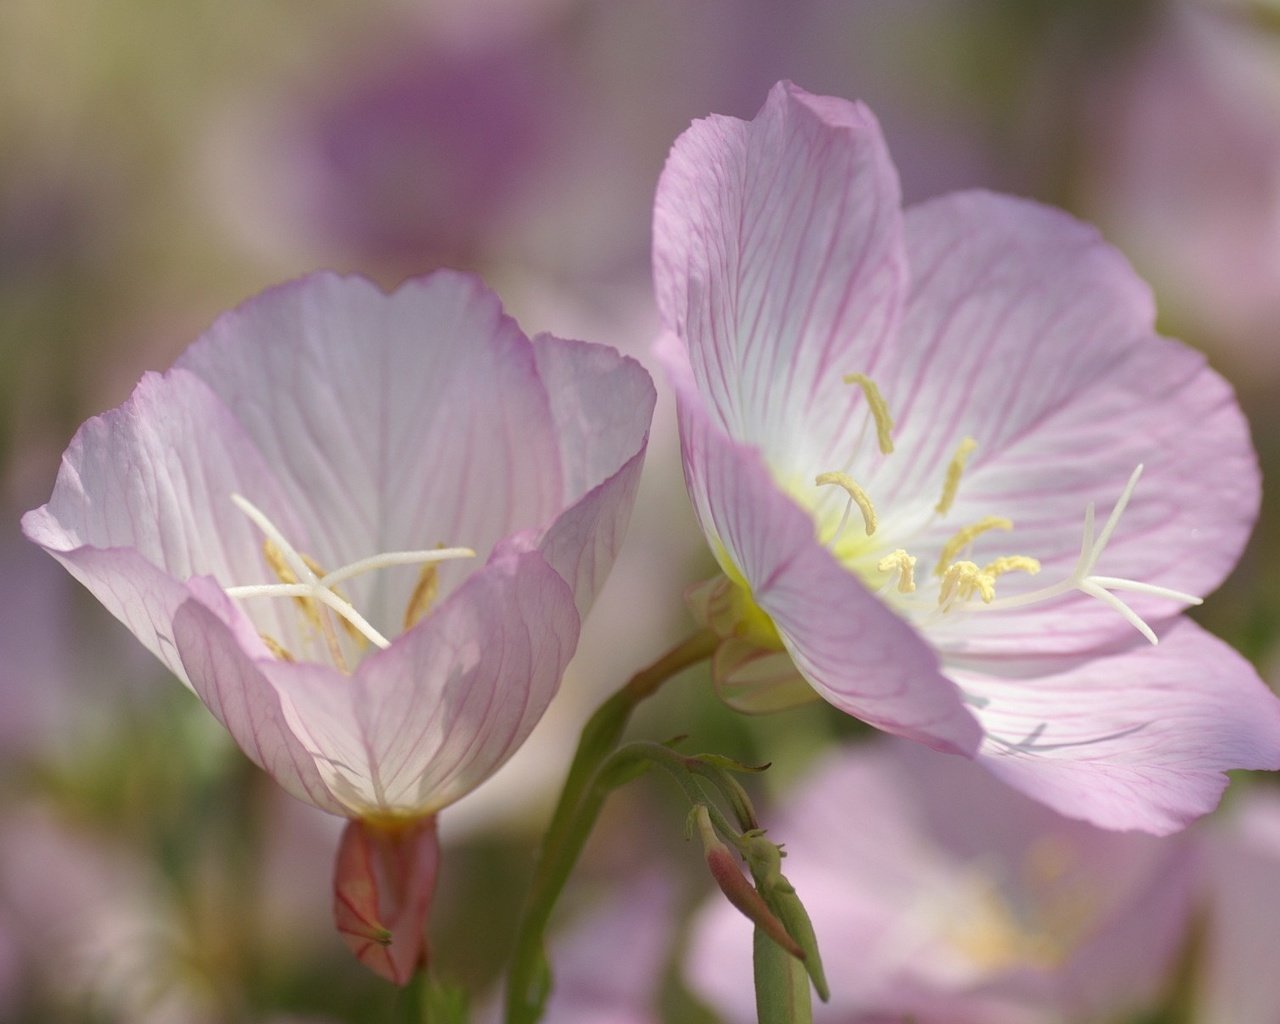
(276, 648)
(276, 560)
(838, 532)
(955, 469)
(856, 494)
(961, 580)
(423, 596)
(905, 566)
(1011, 563)
(879, 410)
(965, 536)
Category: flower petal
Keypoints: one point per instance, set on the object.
(214, 644)
(778, 259)
(601, 404)
(1028, 333)
(395, 421)
(1141, 739)
(855, 652)
(1237, 979)
(427, 720)
(143, 502)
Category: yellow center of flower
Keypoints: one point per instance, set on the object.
(1037, 922)
(957, 581)
(322, 606)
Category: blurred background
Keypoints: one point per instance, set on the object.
(162, 160)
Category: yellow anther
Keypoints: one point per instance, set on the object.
(905, 566)
(1011, 563)
(856, 494)
(423, 596)
(965, 536)
(879, 409)
(276, 561)
(955, 469)
(962, 580)
(276, 648)
(280, 566)
(311, 563)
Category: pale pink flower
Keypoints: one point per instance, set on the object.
(871, 400)
(941, 896)
(417, 155)
(364, 529)
(94, 927)
(1236, 979)
(610, 956)
(1183, 168)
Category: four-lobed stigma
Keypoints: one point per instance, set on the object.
(314, 590)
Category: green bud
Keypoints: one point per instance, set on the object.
(737, 890)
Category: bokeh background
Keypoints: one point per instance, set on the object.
(162, 160)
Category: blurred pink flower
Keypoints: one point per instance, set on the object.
(1237, 980)
(939, 895)
(295, 491)
(609, 959)
(94, 928)
(406, 160)
(869, 399)
(1183, 168)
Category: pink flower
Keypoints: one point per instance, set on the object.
(939, 895)
(422, 152)
(364, 529)
(610, 957)
(1184, 169)
(896, 428)
(1236, 979)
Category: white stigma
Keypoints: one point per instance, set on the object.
(1083, 579)
(320, 588)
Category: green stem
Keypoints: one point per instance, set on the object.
(413, 998)
(574, 816)
(782, 986)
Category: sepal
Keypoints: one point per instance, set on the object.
(383, 882)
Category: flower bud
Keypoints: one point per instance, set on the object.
(729, 877)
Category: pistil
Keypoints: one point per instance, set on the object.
(1083, 579)
(309, 585)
